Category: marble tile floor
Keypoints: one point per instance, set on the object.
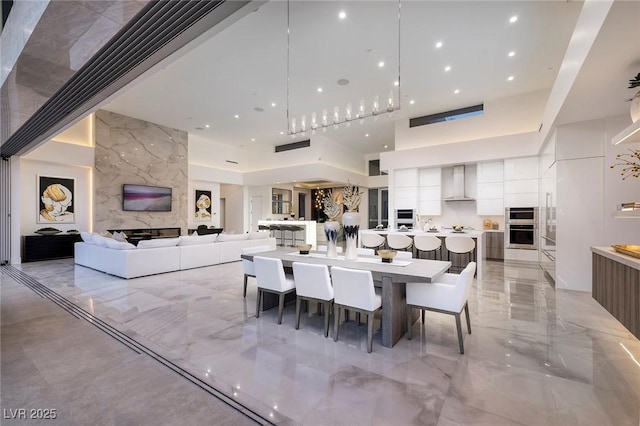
(537, 356)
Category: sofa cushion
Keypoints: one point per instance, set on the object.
(158, 242)
(232, 237)
(119, 245)
(99, 240)
(196, 240)
(259, 235)
(87, 237)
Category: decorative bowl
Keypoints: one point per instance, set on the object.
(457, 228)
(387, 255)
(304, 248)
(47, 231)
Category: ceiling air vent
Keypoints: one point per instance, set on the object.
(455, 114)
(293, 145)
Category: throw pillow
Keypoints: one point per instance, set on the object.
(232, 237)
(99, 240)
(119, 245)
(87, 237)
(158, 242)
(107, 234)
(120, 236)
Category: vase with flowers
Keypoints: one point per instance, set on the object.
(351, 220)
(331, 227)
(635, 101)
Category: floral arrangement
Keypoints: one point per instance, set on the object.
(634, 82)
(630, 163)
(331, 208)
(351, 197)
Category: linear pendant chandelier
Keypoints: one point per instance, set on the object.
(343, 63)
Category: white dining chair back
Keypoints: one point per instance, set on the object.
(247, 265)
(366, 251)
(449, 294)
(271, 278)
(353, 289)
(313, 282)
(399, 241)
(372, 240)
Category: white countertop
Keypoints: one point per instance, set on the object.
(609, 252)
(287, 222)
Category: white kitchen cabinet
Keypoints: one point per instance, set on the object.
(521, 200)
(406, 178)
(522, 186)
(521, 168)
(490, 189)
(430, 191)
(430, 177)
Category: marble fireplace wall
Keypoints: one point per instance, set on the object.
(134, 151)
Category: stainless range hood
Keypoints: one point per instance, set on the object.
(458, 189)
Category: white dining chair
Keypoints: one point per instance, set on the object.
(374, 241)
(428, 244)
(247, 265)
(449, 294)
(313, 282)
(399, 241)
(366, 251)
(271, 278)
(353, 289)
(460, 245)
(323, 249)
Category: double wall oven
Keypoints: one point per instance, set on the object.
(521, 227)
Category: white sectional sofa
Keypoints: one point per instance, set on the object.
(164, 254)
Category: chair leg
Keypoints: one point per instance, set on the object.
(370, 332)
(280, 307)
(409, 322)
(459, 327)
(327, 314)
(336, 322)
(245, 285)
(258, 296)
(466, 312)
(422, 315)
(298, 303)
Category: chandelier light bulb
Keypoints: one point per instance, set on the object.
(293, 125)
(324, 118)
(376, 106)
(361, 110)
(303, 123)
(336, 117)
(390, 102)
(347, 112)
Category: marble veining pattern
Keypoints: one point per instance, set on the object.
(536, 356)
(135, 151)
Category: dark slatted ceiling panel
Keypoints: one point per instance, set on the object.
(154, 26)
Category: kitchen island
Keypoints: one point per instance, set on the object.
(616, 286)
(476, 235)
(308, 225)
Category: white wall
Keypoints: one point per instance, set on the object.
(204, 152)
(235, 212)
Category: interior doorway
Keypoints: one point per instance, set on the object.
(301, 205)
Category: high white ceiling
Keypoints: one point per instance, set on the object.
(252, 64)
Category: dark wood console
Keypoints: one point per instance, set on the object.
(205, 231)
(47, 247)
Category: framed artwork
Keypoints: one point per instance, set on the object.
(55, 199)
(202, 206)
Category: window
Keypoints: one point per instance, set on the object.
(378, 207)
(374, 168)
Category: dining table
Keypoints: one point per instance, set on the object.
(390, 277)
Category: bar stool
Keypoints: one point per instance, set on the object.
(294, 234)
(399, 242)
(374, 241)
(428, 243)
(460, 245)
(264, 228)
(274, 231)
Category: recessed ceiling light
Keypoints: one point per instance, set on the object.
(456, 91)
(381, 64)
(512, 53)
(513, 19)
(510, 78)
(438, 45)
(236, 116)
(412, 102)
(207, 126)
(282, 133)
(253, 139)
(386, 146)
(319, 89)
(366, 135)
(342, 14)
(396, 83)
(447, 68)
(273, 104)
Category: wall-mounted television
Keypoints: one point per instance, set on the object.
(146, 198)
